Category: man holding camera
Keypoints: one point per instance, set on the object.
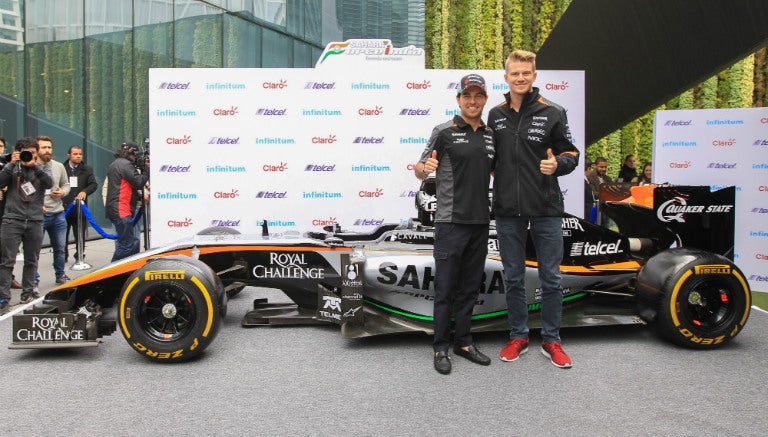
(54, 222)
(23, 219)
(124, 181)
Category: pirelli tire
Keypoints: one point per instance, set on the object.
(171, 309)
(694, 298)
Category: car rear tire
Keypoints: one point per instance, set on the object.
(701, 299)
(171, 309)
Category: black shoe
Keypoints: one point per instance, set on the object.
(29, 297)
(62, 279)
(473, 355)
(442, 362)
(3, 306)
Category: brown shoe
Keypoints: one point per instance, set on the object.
(15, 284)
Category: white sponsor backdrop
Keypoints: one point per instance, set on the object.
(722, 147)
(303, 148)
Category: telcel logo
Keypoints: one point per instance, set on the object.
(378, 192)
(418, 85)
(224, 140)
(186, 139)
(226, 112)
(369, 140)
(320, 167)
(330, 139)
(271, 111)
(369, 222)
(275, 85)
(174, 86)
(414, 111)
(185, 223)
(678, 123)
(271, 194)
(226, 194)
(175, 168)
(320, 85)
(562, 86)
(227, 223)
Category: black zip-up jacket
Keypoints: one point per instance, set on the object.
(522, 140)
(86, 181)
(19, 205)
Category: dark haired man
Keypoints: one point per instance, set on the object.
(82, 183)
(27, 182)
(54, 223)
(124, 181)
(460, 152)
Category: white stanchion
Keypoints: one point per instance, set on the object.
(80, 241)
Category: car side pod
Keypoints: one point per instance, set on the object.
(694, 298)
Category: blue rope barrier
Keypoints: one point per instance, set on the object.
(92, 221)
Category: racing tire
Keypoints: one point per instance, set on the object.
(702, 300)
(171, 309)
(219, 230)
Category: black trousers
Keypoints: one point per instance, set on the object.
(459, 252)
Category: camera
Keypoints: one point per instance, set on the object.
(26, 156)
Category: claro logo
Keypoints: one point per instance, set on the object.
(183, 223)
(562, 86)
(330, 139)
(423, 85)
(275, 85)
(378, 192)
(226, 112)
(371, 112)
(677, 165)
(232, 194)
(186, 139)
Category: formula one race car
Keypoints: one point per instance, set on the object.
(669, 266)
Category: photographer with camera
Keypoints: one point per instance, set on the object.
(23, 218)
(125, 183)
(5, 159)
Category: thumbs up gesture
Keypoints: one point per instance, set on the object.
(431, 163)
(549, 165)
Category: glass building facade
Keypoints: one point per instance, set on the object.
(76, 70)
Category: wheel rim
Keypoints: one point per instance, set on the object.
(166, 313)
(709, 305)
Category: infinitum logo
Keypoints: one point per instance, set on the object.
(169, 195)
(174, 86)
(321, 195)
(413, 140)
(225, 169)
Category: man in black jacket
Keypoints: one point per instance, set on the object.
(124, 183)
(23, 219)
(82, 183)
(533, 148)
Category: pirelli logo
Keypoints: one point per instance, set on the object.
(157, 275)
(712, 269)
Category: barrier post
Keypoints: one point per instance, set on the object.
(80, 240)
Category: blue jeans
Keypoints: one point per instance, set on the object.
(56, 227)
(127, 242)
(547, 236)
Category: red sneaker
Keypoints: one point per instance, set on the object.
(514, 349)
(554, 351)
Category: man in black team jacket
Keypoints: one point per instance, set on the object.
(461, 153)
(124, 183)
(82, 184)
(533, 148)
